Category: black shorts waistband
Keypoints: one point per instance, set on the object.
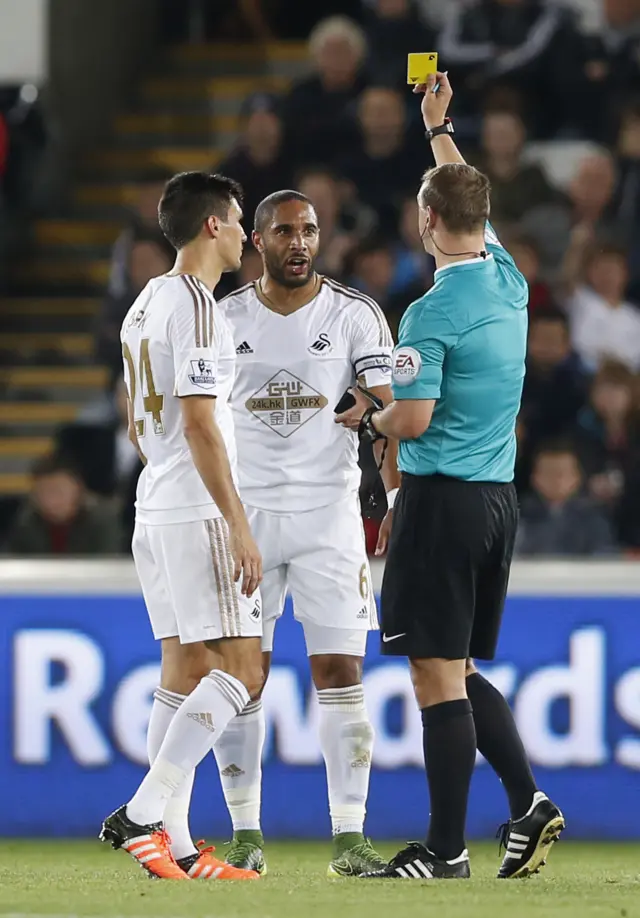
(426, 481)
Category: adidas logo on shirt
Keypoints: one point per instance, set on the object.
(244, 348)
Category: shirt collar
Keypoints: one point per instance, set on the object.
(460, 264)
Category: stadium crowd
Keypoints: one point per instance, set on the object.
(547, 103)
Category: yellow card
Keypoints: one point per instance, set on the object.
(419, 66)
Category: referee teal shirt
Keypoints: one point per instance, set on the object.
(463, 343)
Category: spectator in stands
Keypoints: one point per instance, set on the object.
(557, 518)
(60, 518)
(591, 191)
(436, 13)
(273, 19)
(394, 29)
(628, 513)
(413, 265)
(589, 203)
(106, 459)
(529, 45)
(251, 267)
(626, 203)
(555, 385)
(150, 256)
(627, 194)
(372, 269)
(388, 163)
(526, 255)
(516, 187)
(143, 220)
(319, 110)
(342, 219)
(611, 67)
(608, 433)
(603, 324)
(324, 193)
(258, 161)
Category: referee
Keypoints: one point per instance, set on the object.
(457, 382)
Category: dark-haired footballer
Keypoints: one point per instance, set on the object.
(198, 565)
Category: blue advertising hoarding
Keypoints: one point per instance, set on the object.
(78, 666)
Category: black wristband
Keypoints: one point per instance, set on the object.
(366, 430)
(445, 128)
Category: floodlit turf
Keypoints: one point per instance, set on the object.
(89, 879)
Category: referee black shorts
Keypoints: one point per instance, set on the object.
(447, 569)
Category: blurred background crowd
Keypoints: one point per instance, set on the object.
(280, 94)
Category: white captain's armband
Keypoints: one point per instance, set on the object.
(373, 362)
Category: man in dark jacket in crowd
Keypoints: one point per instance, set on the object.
(555, 387)
(59, 517)
(530, 46)
(557, 518)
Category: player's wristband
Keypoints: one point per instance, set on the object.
(366, 430)
(391, 497)
(445, 128)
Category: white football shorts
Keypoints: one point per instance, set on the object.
(186, 575)
(320, 557)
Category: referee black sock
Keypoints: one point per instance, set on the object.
(499, 742)
(449, 740)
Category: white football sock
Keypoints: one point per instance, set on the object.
(195, 727)
(176, 814)
(346, 739)
(238, 753)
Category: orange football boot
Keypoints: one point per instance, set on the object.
(149, 846)
(204, 866)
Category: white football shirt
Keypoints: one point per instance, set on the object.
(291, 373)
(175, 343)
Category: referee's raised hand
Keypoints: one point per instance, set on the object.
(435, 104)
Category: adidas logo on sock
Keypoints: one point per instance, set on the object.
(231, 771)
(244, 348)
(205, 720)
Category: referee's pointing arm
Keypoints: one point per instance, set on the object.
(409, 416)
(457, 383)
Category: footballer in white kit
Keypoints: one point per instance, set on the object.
(197, 561)
(299, 473)
(177, 344)
(301, 341)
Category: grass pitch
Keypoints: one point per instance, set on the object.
(60, 878)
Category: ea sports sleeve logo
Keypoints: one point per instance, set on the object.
(406, 365)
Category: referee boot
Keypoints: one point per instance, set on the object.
(416, 862)
(527, 841)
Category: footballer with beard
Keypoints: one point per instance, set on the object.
(301, 341)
